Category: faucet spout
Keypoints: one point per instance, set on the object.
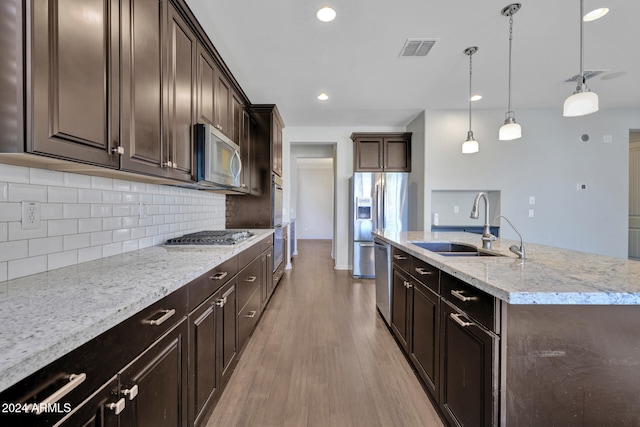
(487, 237)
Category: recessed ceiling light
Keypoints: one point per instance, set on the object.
(323, 96)
(326, 14)
(475, 97)
(595, 14)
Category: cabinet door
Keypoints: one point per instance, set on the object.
(400, 314)
(203, 367)
(142, 85)
(425, 335)
(237, 106)
(73, 111)
(267, 275)
(397, 154)
(100, 410)
(245, 152)
(227, 329)
(205, 86)
(181, 73)
(369, 154)
(221, 99)
(155, 383)
(468, 363)
(276, 149)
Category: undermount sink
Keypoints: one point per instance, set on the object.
(453, 249)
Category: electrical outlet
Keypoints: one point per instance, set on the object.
(456, 209)
(531, 213)
(532, 200)
(30, 215)
(143, 210)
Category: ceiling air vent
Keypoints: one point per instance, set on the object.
(588, 74)
(417, 47)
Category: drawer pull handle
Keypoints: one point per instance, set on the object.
(407, 285)
(118, 406)
(399, 257)
(219, 276)
(423, 272)
(131, 393)
(250, 279)
(251, 314)
(220, 302)
(167, 314)
(456, 318)
(458, 294)
(74, 381)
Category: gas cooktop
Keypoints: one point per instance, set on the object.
(211, 237)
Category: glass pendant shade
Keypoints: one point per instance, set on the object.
(470, 145)
(580, 103)
(510, 130)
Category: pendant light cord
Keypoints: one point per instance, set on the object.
(510, 38)
(582, 79)
(470, 67)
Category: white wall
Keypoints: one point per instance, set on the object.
(548, 163)
(416, 178)
(314, 199)
(86, 218)
(344, 170)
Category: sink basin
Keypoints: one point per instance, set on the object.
(453, 249)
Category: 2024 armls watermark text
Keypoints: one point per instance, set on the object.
(35, 408)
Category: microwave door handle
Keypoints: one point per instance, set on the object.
(235, 155)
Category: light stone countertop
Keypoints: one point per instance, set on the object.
(46, 315)
(547, 276)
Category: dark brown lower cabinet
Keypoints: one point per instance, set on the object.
(212, 349)
(425, 333)
(400, 307)
(97, 411)
(154, 385)
(468, 377)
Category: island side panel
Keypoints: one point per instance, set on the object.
(571, 365)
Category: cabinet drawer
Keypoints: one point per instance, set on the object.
(426, 274)
(247, 319)
(248, 255)
(477, 304)
(267, 243)
(205, 285)
(248, 282)
(401, 259)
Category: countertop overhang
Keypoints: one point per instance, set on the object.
(47, 315)
(548, 275)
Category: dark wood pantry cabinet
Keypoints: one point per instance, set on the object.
(381, 152)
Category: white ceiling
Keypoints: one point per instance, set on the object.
(280, 53)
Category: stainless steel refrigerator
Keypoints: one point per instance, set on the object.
(378, 201)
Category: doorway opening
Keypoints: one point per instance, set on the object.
(634, 194)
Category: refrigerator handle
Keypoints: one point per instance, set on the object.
(383, 220)
(378, 223)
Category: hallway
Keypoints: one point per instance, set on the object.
(322, 356)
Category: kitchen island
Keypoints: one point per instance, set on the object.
(563, 346)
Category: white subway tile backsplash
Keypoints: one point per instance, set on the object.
(45, 246)
(62, 259)
(45, 177)
(14, 250)
(25, 192)
(26, 266)
(10, 173)
(62, 195)
(60, 227)
(85, 218)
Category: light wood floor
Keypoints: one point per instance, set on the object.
(322, 356)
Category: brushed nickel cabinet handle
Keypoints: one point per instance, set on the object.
(159, 321)
(131, 393)
(251, 314)
(457, 318)
(118, 406)
(408, 285)
(220, 302)
(117, 150)
(423, 272)
(399, 257)
(250, 279)
(458, 294)
(74, 381)
(219, 276)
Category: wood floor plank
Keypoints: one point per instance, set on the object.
(322, 356)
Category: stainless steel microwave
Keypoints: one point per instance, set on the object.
(217, 158)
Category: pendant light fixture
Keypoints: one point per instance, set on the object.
(510, 130)
(470, 145)
(583, 101)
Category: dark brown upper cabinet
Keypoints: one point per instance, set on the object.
(381, 152)
(158, 62)
(73, 110)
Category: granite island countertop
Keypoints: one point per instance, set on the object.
(547, 276)
(46, 315)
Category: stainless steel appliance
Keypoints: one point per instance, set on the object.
(378, 201)
(217, 158)
(211, 237)
(276, 200)
(382, 257)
